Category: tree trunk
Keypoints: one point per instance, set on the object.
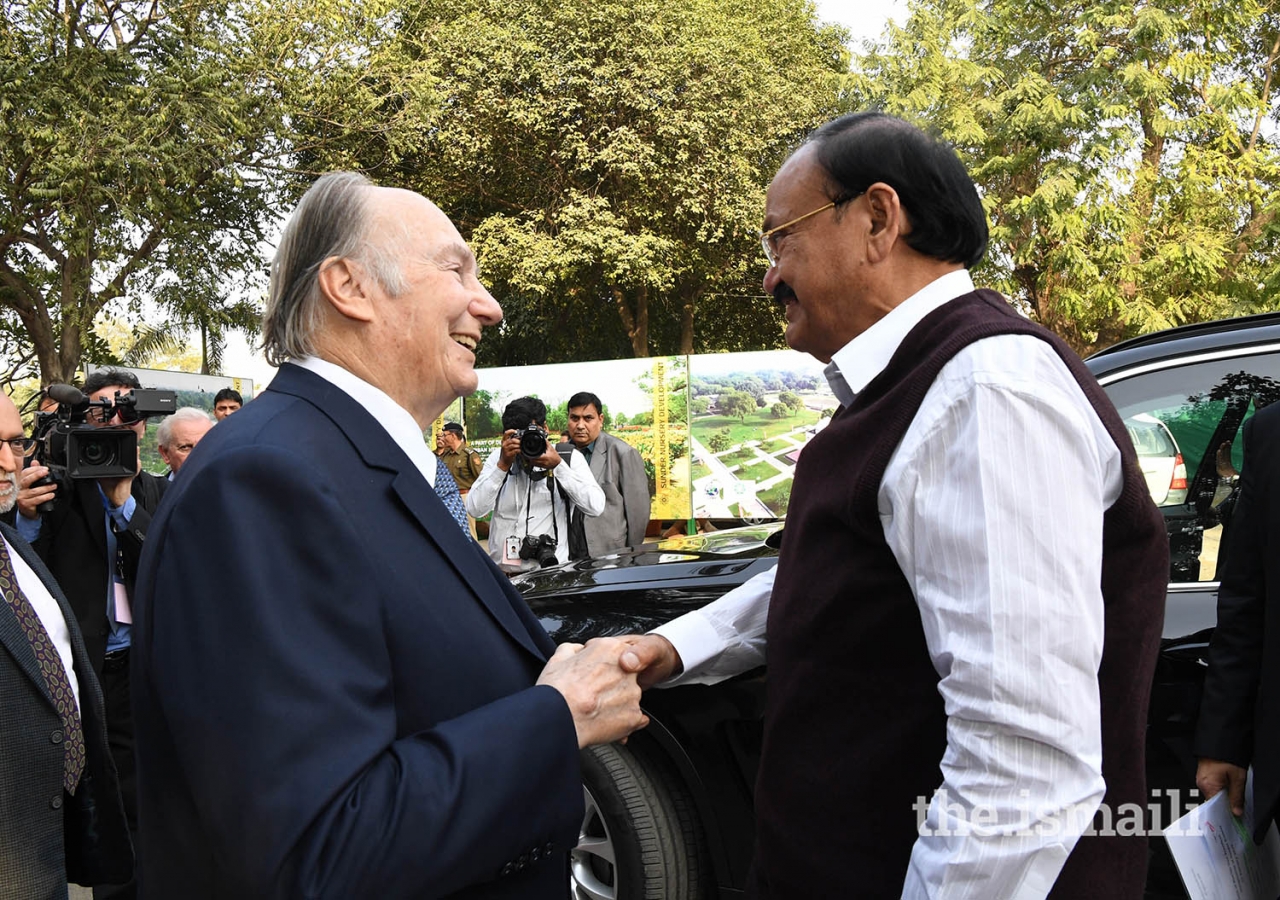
(636, 321)
(689, 300)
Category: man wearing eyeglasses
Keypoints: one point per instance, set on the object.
(91, 541)
(941, 643)
(60, 817)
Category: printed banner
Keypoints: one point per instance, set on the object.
(645, 404)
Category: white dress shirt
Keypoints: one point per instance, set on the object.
(398, 421)
(523, 506)
(992, 505)
(48, 612)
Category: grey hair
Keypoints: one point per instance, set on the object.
(332, 219)
(164, 433)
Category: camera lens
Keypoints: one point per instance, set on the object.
(95, 452)
(533, 442)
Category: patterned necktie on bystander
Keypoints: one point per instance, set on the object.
(55, 675)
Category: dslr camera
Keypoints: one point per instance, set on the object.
(540, 547)
(73, 448)
(533, 441)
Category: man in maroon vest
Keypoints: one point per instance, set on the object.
(963, 624)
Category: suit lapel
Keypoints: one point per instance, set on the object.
(464, 555)
(599, 458)
(377, 448)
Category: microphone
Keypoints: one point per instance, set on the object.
(66, 395)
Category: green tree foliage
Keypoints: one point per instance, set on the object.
(791, 400)
(148, 148)
(719, 441)
(608, 160)
(483, 417)
(737, 403)
(1125, 153)
(130, 132)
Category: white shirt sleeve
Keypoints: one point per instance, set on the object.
(484, 490)
(580, 484)
(993, 506)
(724, 638)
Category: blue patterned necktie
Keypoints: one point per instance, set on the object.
(447, 489)
(55, 676)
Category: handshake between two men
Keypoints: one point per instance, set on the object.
(601, 681)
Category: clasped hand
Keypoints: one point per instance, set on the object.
(602, 680)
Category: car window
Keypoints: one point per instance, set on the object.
(1180, 416)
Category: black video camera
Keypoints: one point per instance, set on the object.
(73, 448)
(540, 547)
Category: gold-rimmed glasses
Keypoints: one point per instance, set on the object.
(766, 237)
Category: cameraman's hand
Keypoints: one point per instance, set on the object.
(604, 700)
(118, 489)
(550, 459)
(510, 449)
(29, 498)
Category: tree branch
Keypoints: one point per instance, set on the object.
(1266, 93)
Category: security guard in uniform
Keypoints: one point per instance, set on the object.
(463, 462)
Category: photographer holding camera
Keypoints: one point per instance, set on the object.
(528, 484)
(91, 540)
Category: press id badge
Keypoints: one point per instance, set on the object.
(511, 551)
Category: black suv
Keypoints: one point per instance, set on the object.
(670, 814)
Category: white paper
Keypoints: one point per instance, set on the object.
(1216, 856)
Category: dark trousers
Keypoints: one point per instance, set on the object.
(115, 692)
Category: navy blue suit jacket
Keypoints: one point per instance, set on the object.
(333, 687)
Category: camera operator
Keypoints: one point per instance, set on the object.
(528, 491)
(91, 541)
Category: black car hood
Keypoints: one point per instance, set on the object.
(635, 590)
(712, 557)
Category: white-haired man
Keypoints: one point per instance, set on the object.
(359, 704)
(178, 435)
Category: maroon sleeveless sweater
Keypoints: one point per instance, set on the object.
(854, 726)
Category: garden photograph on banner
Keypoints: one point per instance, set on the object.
(750, 416)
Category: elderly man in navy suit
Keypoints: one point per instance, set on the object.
(358, 704)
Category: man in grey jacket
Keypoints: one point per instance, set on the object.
(619, 471)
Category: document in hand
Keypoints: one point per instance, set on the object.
(1216, 855)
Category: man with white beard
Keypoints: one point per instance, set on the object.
(56, 775)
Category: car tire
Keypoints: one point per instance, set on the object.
(640, 838)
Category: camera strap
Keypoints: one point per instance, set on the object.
(528, 505)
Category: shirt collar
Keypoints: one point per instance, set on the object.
(394, 418)
(854, 365)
